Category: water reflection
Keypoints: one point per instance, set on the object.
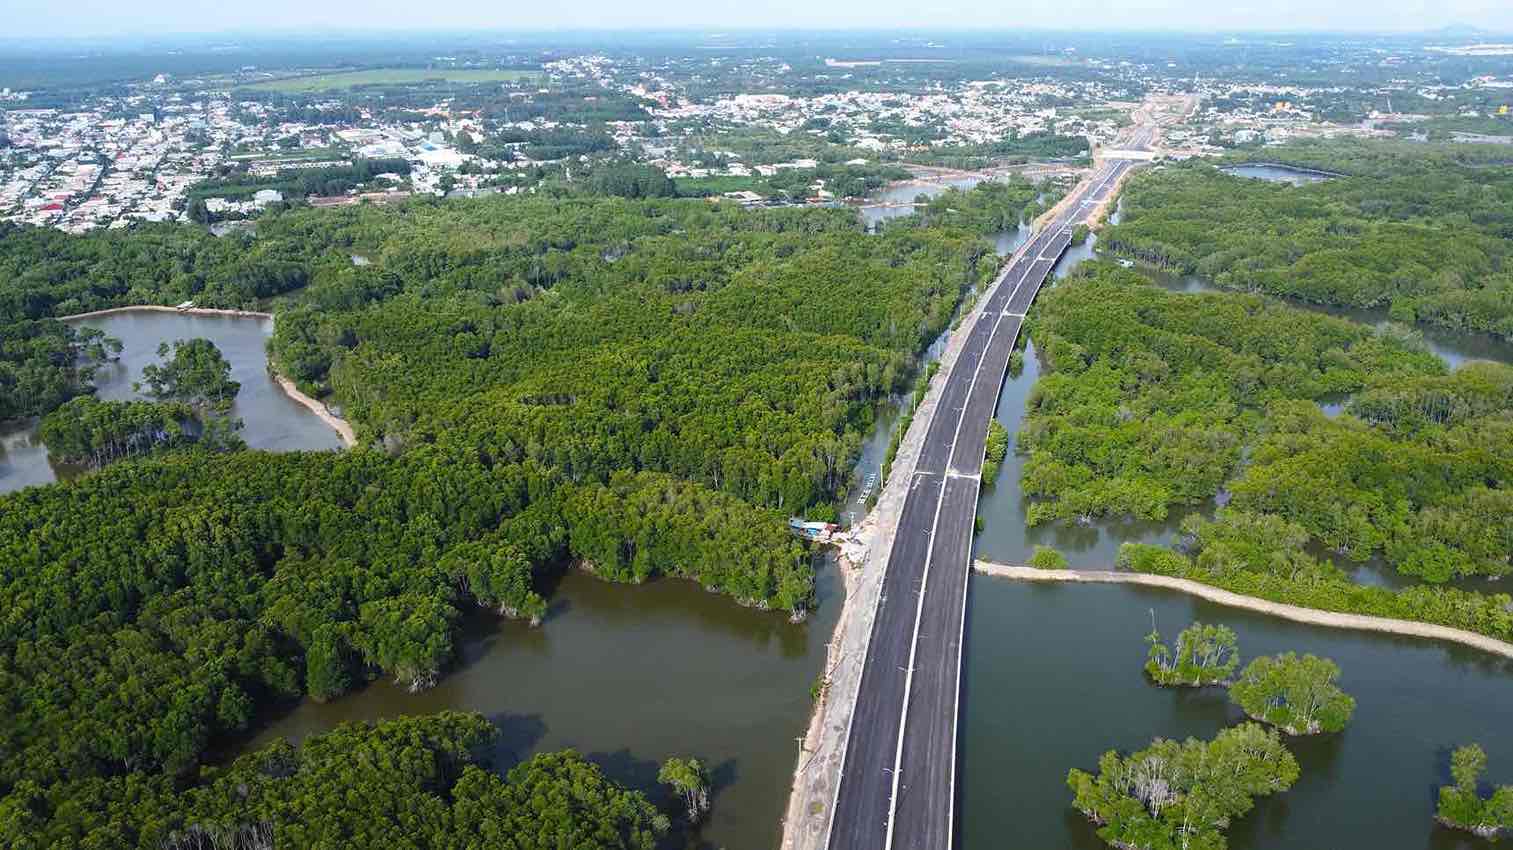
(898, 201)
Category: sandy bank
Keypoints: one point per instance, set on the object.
(342, 427)
(1295, 613)
(156, 308)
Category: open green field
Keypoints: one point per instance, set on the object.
(382, 76)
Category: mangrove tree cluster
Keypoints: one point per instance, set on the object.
(1152, 398)
(1427, 236)
(410, 782)
(1182, 796)
(1462, 806)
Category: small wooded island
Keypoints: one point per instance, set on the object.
(1183, 795)
(1461, 806)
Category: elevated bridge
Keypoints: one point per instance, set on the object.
(897, 784)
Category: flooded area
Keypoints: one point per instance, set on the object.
(271, 419)
(1054, 678)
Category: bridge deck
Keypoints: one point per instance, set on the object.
(898, 780)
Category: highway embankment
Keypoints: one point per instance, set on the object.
(1299, 614)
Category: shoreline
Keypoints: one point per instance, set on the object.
(158, 308)
(1295, 613)
(342, 427)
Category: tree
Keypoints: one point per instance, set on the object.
(1297, 695)
(687, 778)
(1461, 805)
(328, 664)
(1172, 795)
(197, 374)
(1047, 558)
(1205, 655)
(997, 448)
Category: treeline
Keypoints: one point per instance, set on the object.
(296, 183)
(796, 184)
(1012, 149)
(1153, 398)
(44, 363)
(416, 782)
(45, 272)
(546, 144)
(1431, 243)
(155, 608)
(94, 433)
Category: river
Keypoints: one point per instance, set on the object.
(271, 419)
(1053, 679)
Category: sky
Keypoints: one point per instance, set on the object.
(95, 18)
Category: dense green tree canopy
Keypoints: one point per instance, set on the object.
(407, 783)
(1204, 655)
(1429, 237)
(93, 432)
(193, 371)
(639, 387)
(1152, 399)
(1462, 805)
(1297, 695)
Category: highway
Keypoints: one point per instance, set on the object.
(898, 778)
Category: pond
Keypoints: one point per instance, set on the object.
(897, 201)
(1276, 173)
(631, 676)
(271, 419)
(1054, 678)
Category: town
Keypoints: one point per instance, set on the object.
(222, 147)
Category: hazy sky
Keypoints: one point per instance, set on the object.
(62, 18)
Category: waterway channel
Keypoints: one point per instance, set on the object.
(271, 419)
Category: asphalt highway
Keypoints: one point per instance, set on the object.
(898, 778)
